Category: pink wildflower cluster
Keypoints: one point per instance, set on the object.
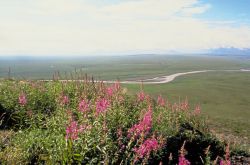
(183, 160)
(109, 91)
(197, 110)
(146, 148)
(143, 126)
(83, 106)
(175, 107)
(22, 99)
(101, 105)
(141, 96)
(225, 162)
(184, 105)
(72, 130)
(160, 101)
(113, 89)
(65, 100)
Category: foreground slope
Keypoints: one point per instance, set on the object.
(91, 123)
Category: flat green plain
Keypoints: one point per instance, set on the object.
(116, 67)
(223, 96)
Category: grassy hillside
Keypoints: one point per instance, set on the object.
(93, 123)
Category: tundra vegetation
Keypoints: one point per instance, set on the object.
(91, 123)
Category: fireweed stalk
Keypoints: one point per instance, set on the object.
(113, 89)
(227, 157)
(109, 91)
(184, 105)
(143, 127)
(182, 159)
(146, 148)
(197, 110)
(101, 106)
(73, 129)
(119, 138)
(64, 100)
(141, 96)
(160, 101)
(22, 99)
(83, 106)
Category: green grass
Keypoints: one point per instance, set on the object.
(223, 96)
(125, 67)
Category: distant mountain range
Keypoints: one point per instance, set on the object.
(230, 51)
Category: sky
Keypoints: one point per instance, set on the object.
(90, 27)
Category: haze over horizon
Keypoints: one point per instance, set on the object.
(93, 27)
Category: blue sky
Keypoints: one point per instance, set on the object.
(228, 10)
(86, 27)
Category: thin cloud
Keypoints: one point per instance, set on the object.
(196, 10)
(62, 27)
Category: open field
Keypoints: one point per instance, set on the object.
(112, 68)
(223, 96)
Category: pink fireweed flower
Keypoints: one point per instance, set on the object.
(22, 99)
(227, 152)
(109, 91)
(160, 101)
(116, 86)
(225, 162)
(72, 131)
(147, 147)
(83, 106)
(184, 105)
(175, 107)
(65, 100)
(183, 161)
(197, 110)
(227, 157)
(101, 105)
(148, 98)
(82, 128)
(143, 126)
(141, 96)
